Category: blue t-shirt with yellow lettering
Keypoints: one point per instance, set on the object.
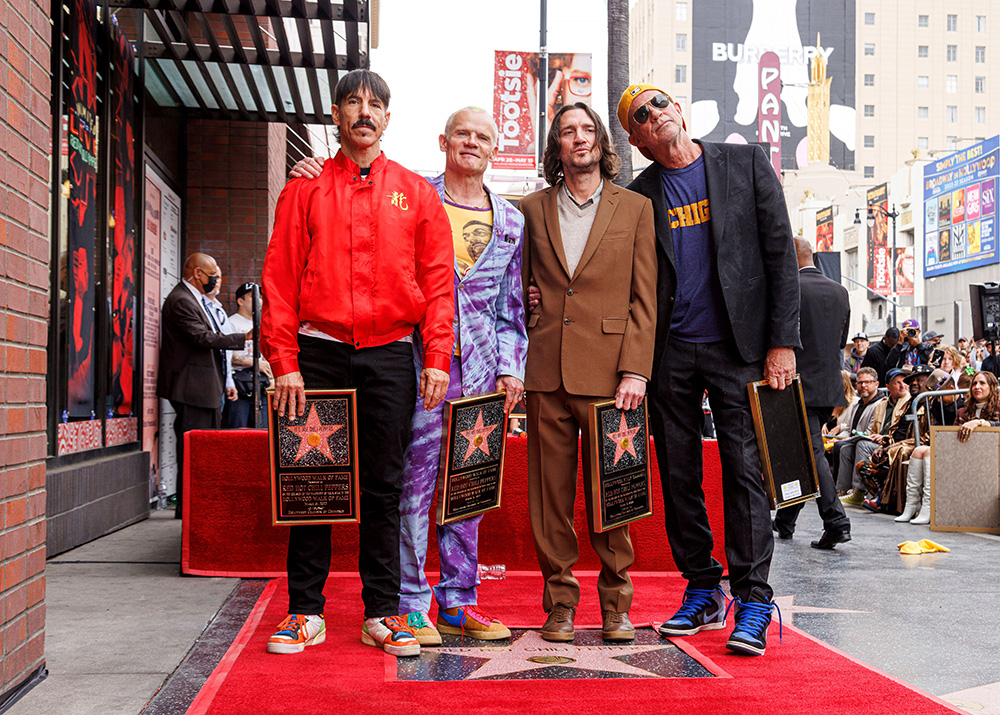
(699, 308)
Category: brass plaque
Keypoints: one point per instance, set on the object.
(474, 439)
(620, 479)
(314, 461)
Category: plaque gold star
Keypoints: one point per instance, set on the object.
(477, 437)
(624, 439)
(313, 435)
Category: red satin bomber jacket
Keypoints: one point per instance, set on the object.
(363, 259)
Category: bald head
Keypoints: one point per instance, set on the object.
(202, 270)
(470, 111)
(804, 253)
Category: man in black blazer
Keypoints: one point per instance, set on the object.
(823, 323)
(192, 355)
(728, 314)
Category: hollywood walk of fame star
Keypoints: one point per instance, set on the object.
(624, 439)
(477, 437)
(529, 652)
(313, 435)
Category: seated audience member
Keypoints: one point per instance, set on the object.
(887, 412)
(833, 427)
(855, 420)
(951, 362)
(982, 409)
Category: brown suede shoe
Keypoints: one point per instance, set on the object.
(617, 626)
(559, 625)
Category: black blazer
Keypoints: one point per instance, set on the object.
(190, 362)
(824, 322)
(752, 238)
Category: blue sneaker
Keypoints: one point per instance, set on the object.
(704, 609)
(750, 633)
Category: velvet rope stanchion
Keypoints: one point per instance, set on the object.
(228, 532)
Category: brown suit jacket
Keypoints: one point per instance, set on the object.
(600, 322)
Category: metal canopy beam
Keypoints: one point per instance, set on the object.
(259, 8)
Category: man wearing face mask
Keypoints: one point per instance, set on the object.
(193, 354)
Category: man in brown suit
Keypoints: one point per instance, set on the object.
(590, 249)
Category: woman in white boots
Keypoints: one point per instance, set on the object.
(981, 409)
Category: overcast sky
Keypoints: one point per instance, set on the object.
(438, 57)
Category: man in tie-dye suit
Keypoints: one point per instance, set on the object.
(491, 346)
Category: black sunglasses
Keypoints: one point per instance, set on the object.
(660, 101)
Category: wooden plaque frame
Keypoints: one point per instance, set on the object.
(324, 461)
(609, 482)
(786, 454)
(470, 475)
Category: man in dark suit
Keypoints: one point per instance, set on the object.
(192, 355)
(823, 323)
(727, 315)
(877, 354)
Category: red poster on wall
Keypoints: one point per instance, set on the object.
(82, 219)
(824, 230)
(879, 261)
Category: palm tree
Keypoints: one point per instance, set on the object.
(618, 80)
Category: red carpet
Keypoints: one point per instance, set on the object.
(228, 531)
(797, 676)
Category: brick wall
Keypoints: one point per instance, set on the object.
(25, 139)
(235, 171)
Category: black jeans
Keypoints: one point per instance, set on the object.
(830, 508)
(387, 389)
(686, 371)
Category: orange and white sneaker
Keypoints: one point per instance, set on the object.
(470, 621)
(296, 632)
(392, 634)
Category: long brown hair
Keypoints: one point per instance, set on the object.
(992, 405)
(552, 164)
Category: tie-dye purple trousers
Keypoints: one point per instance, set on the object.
(458, 542)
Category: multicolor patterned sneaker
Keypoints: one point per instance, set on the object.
(421, 625)
(296, 632)
(391, 634)
(470, 621)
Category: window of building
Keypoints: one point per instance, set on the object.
(852, 268)
(980, 23)
(869, 172)
(869, 80)
(980, 115)
(951, 114)
(869, 48)
(681, 43)
(980, 55)
(869, 18)
(951, 143)
(923, 113)
(681, 11)
(680, 74)
(952, 53)
(980, 85)
(923, 82)
(869, 141)
(923, 143)
(952, 23)
(951, 84)
(869, 110)
(923, 20)
(922, 51)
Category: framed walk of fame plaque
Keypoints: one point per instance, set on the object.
(314, 460)
(620, 482)
(473, 443)
(786, 455)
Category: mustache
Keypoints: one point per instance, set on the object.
(363, 122)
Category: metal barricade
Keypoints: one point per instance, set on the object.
(915, 404)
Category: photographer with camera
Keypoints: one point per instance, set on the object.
(910, 350)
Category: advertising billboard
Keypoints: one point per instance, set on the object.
(824, 230)
(515, 99)
(879, 277)
(730, 38)
(960, 210)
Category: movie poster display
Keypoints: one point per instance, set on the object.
(729, 40)
(151, 334)
(515, 99)
(824, 230)
(82, 177)
(879, 268)
(123, 229)
(960, 210)
(904, 266)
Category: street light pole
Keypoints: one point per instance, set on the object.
(893, 214)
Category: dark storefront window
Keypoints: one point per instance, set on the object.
(92, 348)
